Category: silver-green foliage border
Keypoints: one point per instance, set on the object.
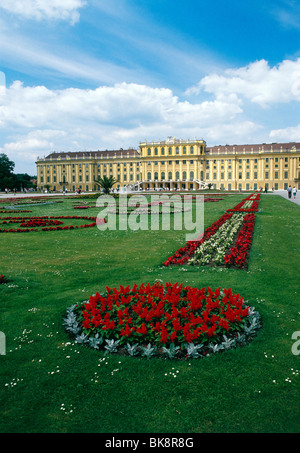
(193, 351)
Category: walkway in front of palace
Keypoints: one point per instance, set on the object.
(284, 194)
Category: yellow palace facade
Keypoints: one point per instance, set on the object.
(175, 164)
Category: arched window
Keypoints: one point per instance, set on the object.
(191, 175)
(170, 175)
(156, 176)
(149, 176)
(155, 151)
(163, 151)
(149, 151)
(177, 150)
(184, 150)
(170, 150)
(163, 175)
(184, 175)
(191, 150)
(177, 175)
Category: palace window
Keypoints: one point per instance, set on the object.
(177, 175)
(170, 175)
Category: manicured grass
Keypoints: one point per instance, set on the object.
(242, 390)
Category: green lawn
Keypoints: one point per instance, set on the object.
(49, 384)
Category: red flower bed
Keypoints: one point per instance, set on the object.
(45, 223)
(240, 207)
(13, 211)
(183, 254)
(162, 315)
(239, 253)
(40, 223)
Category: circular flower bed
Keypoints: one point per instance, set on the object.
(170, 320)
(45, 223)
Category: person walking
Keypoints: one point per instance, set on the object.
(289, 189)
(294, 191)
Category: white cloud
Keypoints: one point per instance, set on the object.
(121, 104)
(38, 120)
(287, 13)
(257, 82)
(66, 10)
(289, 134)
(32, 145)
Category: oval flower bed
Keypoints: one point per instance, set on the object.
(167, 320)
(45, 223)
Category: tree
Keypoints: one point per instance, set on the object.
(6, 166)
(106, 183)
(7, 178)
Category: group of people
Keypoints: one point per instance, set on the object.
(292, 191)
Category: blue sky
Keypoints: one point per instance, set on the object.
(88, 75)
